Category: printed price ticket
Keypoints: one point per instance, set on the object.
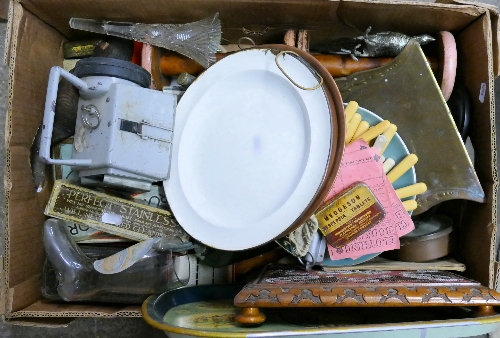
(363, 164)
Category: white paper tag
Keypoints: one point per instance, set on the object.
(79, 140)
(111, 218)
(482, 92)
(124, 259)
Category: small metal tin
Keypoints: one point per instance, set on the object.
(430, 240)
(353, 212)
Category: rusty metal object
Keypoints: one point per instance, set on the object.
(303, 40)
(290, 37)
(115, 48)
(185, 79)
(423, 121)
(39, 170)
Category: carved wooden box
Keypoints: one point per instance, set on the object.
(284, 286)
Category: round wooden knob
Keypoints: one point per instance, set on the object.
(484, 311)
(250, 315)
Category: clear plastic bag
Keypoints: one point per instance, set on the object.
(78, 280)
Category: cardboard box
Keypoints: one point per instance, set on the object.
(34, 44)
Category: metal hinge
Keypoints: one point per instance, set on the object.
(146, 130)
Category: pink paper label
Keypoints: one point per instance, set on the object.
(404, 223)
(381, 238)
(363, 164)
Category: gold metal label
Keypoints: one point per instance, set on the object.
(135, 221)
(349, 215)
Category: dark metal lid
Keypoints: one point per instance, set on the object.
(101, 66)
(435, 227)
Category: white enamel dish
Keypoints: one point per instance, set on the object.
(250, 149)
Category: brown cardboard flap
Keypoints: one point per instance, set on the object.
(25, 293)
(474, 50)
(3, 291)
(494, 24)
(424, 18)
(43, 322)
(32, 66)
(318, 16)
(494, 15)
(10, 53)
(12, 21)
(259, 14)
(25, 218)
(20, 168)
(34, 49)
(496, 189)
(43, 308)
(467, 3)
(497, 270)
(477, 229)
(495, 42)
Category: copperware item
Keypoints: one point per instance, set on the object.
(259, 202)
(417, 107)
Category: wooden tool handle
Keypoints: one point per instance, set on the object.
(410, 205)
(362, 128)
(172, 64)
(402, 167)
(352, 126)
(375, 131)
(343, 65)
(411, 190)
(389, 134)
(349, 111)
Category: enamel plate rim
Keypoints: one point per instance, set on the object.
(216, 224)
